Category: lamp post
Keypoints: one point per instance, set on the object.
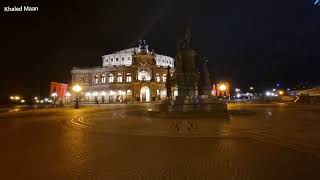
(77, 88)
(68, 95)
(54, 95)
(88, 94)
(222, 88)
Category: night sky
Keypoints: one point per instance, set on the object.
(248, 42)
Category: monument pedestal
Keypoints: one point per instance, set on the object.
(197, 104)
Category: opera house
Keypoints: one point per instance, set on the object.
(130, 75)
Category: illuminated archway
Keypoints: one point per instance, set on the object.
(145, 94)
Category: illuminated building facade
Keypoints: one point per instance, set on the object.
(131, 75)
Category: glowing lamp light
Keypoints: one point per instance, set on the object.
(238, 95)
(281, 92)
(103, 93)
(268, 93)
(46, 99)
(17, 98)
(237, 90)
(11, 97)
(68, 94)
(77, 88)
(95, 93)
(88, 94)
(23, 101)
(251, 88)
(54, 94)
(222, 87)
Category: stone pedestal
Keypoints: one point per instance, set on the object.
(197, 104)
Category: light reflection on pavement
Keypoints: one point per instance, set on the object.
(272, 141)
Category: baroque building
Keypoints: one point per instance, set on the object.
(130, 75)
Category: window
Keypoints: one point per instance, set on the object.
(111, 78)
(107, 60)
(157, 77)
(117, 59)
(119, 77)
(144, 76)
(111, 59)
(122, 58)
(129, 58)
(82, 79)
(164, 78)
(103, 78)
(96, 79)
(128, 77)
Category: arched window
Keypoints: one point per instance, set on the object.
(157, 77)
(111, 78)
(164, 78)
(128, 77)
(96, 79)
(119, 77)
(103, 78)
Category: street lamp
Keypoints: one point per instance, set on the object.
(54, 95)
(281, 92)
(88, 94)
(77, 88)
(222, 87)
(95, 94)
(68, 95)
(103, 94)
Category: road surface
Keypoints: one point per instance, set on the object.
(257, 141)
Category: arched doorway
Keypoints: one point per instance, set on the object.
(145, 94)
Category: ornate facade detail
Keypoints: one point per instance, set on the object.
(131, 75)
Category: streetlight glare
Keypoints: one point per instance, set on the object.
(281, 92)
(222, 87)
(103, 93)
(77, 88)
